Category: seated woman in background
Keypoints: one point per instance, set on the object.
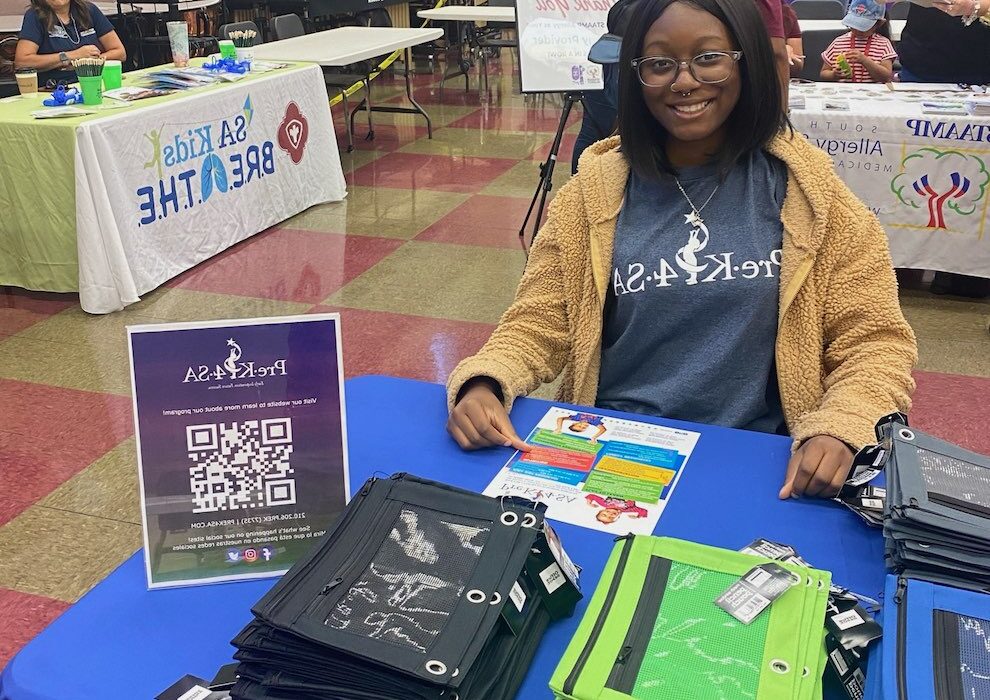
(864, 54)
(666, 282)
(55, 32)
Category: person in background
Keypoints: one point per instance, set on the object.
(792, 35)
(948, 43)
(56, 32)
(863, 54)
(773, 19)
(790, 330)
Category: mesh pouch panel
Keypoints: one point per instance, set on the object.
(696, 650)
(955, 480)
(406, 594)
(974, 656)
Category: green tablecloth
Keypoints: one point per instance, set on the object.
(37, 188)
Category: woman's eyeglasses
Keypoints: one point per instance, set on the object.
(708, 67)
(53, 84)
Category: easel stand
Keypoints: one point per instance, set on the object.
(546, 169)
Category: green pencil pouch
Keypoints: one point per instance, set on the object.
(652, 630)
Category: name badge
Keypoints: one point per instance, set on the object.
(88, 32)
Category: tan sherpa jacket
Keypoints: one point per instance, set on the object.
(844, 351)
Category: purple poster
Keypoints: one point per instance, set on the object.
(241, 444)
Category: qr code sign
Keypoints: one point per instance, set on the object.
(241, 465)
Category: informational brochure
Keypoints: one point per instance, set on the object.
(599, 472)
(241, 444)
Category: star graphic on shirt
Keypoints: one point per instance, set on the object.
(693, 219)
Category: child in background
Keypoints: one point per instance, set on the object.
(863, 55)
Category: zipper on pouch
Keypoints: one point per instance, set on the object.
(276, 604)
(630, 656)
(596, 631)
(900, 599)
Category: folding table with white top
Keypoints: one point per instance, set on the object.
(347, 45)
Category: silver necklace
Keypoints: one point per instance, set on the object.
(694, 218)
(68, 36)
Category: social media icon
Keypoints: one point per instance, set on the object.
(266, 552)
(233, 555)
(250, 555)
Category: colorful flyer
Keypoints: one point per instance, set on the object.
(241, 444)
(603, 473)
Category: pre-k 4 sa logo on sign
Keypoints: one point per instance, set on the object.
(293, 133)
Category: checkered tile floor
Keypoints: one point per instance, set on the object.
(421, 259)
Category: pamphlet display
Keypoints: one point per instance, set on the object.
(599, 472)
(554, 39)
(241, 444)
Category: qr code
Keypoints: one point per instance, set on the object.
(241, 465)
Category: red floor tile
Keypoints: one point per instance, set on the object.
(50, 434)
(24, 616)
(482, 220)
(515, 119)
(20, 308)
(954, 408)
(398, 345)
(288, 265)
(453, 93)
(424, 172)
(388, 137)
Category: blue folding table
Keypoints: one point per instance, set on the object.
(123, 642)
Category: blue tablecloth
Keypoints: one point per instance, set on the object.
(123, 642)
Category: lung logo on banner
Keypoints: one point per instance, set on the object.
(293, 132)
(241, 444)
(940, 182)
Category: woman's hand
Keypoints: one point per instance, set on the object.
(87, 51)
(818, 468)
(479, 420)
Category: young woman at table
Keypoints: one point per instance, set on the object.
(55, 32)
(706, 265)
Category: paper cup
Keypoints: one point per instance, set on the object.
(246, 54)
(178, 39)
(92, 89)
(27, 81)
(113, 75)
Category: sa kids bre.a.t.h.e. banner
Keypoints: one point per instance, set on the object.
(241, 444)
(596, 471)
(163, 188)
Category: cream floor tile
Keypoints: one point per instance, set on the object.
(64, 364)
(475, 143)
(954, 356)
(522, 179)
(380, 212)
(174, 304)
(467, 283)
(108, 488)
(60, 554)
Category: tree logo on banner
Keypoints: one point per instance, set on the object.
(293, 132)
(936, 180)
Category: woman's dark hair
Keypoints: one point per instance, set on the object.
(758, 115)
(78, 9)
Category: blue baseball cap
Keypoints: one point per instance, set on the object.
(863, 14)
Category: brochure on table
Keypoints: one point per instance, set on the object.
(599, 472)
(241, 444)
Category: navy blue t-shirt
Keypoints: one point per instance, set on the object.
(67, 37)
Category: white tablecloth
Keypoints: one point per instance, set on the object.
(926, 176)
(161, 189)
